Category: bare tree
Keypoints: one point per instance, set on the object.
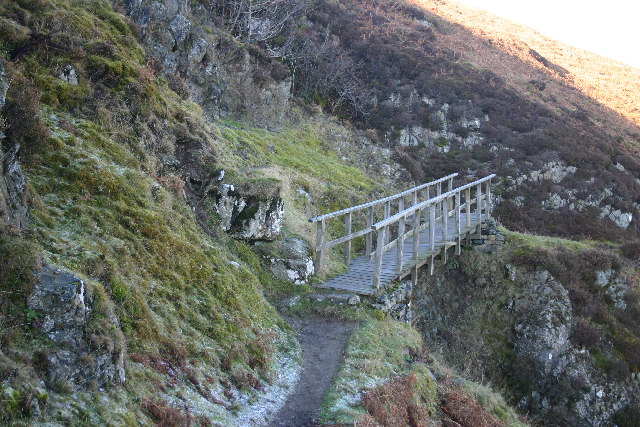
(259, 20)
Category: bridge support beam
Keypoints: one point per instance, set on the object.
(414, 277)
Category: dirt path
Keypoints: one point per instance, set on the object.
(322, 340)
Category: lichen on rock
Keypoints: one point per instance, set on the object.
(289, 259)
(82, 354)
(249, 213)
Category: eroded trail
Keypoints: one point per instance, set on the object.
(323, 341)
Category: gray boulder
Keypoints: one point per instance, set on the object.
(250, 211)
(86, 352)
(69, 75)
(289, 259)
(351, 299)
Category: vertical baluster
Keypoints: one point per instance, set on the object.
(432, 233)
(439, 192)
(414, 201)
(467, 204)
(347, 244)
(414, 277)
(387, 214)
(487, 207)
(458, 225)
(400, 238)
(479, 206)
(369, 236)
(445, 228)
(378, 263)
(450, 184)
(416, 234)
(445, 218)
(321, 229)
(427, 195)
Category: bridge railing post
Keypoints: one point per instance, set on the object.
(432, 234)
(467, 205)
(445, 227)
(427, 196)
(321, 229)
(347, 244)
(369, 236)
(387, 214)
(414, 201)
(400, 241)
(416, 235)
(487, 191)
(458, 226)
(438, 193)
(478, 207)
(378, 261)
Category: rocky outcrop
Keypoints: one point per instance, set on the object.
(13, 209)
(542, 331)
(289, 259)
(614, 287)
(250, 211)
(85, 353)
(215, 70)
(397, 303)
(511, 324)
(13, 206)
(563, 383)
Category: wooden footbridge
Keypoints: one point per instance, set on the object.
(397, 245)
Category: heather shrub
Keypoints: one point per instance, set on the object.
(584, 334)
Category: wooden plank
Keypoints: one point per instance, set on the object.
(418, 246)
(335, 242)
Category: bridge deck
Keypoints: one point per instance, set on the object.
(359, 275)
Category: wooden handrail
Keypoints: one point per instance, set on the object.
(439, 203)
(395, 218)
(321, 233)
(379, 201)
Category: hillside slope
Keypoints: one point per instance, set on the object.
(447, 97)
(134, 133)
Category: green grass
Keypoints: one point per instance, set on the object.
(300, 150)
(545, 242)
(298, 156)
(493, 403)
(100, 211)
(376, 351)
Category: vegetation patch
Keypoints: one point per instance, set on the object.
(377, 351)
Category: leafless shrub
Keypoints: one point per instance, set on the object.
(584, 334)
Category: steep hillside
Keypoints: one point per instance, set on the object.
(159, 161)
(611, 83)
(446, 97)
(107, 200)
